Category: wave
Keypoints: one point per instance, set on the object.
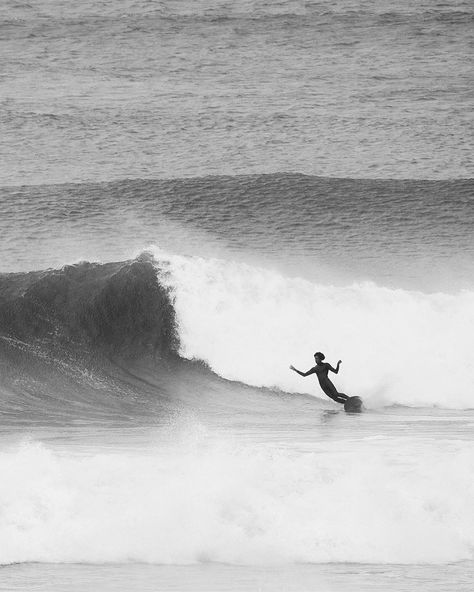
(69, 340)
(397, 346)
(98, 342)
(329, 230)
(117, 338)
(118, 308)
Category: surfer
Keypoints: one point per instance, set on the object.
(321, 370)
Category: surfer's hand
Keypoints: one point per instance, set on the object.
(339, 362)
(292, 368)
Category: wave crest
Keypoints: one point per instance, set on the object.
(116, 308)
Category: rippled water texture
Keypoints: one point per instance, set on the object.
(100, 91)
(409, 234)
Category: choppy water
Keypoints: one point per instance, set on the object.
(195, 195)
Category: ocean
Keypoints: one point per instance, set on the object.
(194, 196)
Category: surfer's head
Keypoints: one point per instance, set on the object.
(318, 356)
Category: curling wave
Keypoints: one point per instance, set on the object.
(71, 340)
(118, 308)
(89, 331)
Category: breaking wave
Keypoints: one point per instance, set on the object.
(119, 308)
(136, 328)
(397, 346)
(71, 341)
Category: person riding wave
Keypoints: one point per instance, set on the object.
(321, 370)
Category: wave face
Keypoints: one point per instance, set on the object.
(118, 308)
(69, 340)
(398, 346)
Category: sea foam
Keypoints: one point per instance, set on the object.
(223, 500)
(397, 346)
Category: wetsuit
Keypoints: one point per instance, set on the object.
(321, 371)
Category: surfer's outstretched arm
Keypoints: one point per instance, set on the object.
(310, 371)
(336, 369)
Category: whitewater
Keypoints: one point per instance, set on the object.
(403, 347)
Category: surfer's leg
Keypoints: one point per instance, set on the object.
(336, 398)
(339, 398)
(330, 390)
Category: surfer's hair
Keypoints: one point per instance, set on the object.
(319, 355)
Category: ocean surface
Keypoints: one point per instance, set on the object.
(193, 196)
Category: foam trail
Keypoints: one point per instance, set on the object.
(214, 500)
(397, 346)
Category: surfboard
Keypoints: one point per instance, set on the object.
(354, 405)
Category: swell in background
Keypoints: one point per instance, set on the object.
(409, 234)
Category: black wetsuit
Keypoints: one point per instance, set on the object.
(321, 371)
